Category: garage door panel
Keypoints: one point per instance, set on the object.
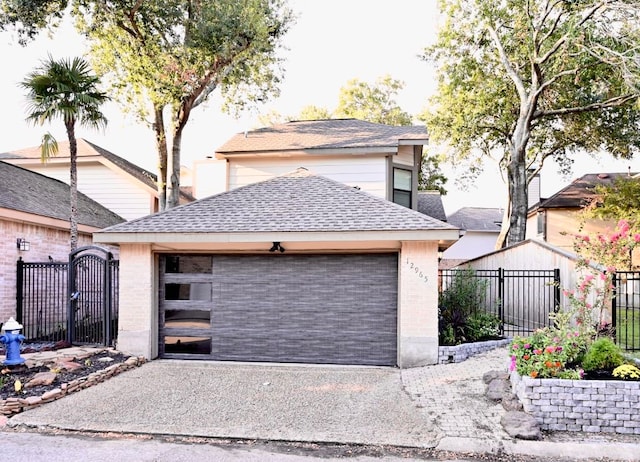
(335, 309)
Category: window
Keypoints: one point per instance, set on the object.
(402, 186)
(542, 224)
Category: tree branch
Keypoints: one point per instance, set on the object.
(612, 102)
(504, 59)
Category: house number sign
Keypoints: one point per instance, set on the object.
(418, 272)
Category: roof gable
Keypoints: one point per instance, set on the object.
(477, 219)
(580, 192)
(295, 202)
(26, 191)
(323, 135)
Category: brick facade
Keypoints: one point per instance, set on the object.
(418, 304)
(44, 242)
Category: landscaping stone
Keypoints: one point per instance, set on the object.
(510, 402)
(521, 425)
(41, 378)
(497, 388)
(491, 375)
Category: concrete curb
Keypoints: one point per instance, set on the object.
(551, 449)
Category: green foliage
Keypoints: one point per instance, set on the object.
(374, 103)
(29, 17)
(627, 372)
(620, 200)
(551, 352)
(66, 90)
(430, 177)
(603, 354)
(522, 82)
(459, 320)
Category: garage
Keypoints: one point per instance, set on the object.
(307, 308)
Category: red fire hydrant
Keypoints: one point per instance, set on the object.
(12, 339)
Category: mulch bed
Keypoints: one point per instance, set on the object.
(9, 374)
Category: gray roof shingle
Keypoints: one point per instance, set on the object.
(30, 192)
(322, 134)
(295, 202)
(430, 203)
(477, 219)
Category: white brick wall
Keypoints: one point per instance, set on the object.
(418, 304)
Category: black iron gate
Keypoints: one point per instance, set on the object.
(75, 301)
(625, 309)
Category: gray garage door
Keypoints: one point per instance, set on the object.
(334, 309)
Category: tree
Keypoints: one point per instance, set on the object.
(374, 103)
(618, 201)
(163, 59)
(430, 177)
(524, 81)
(66, 90)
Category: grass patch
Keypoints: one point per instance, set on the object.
(628, 330)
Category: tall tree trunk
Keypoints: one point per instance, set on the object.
(173, 167)
(73, 184)
(518, 195)
(506, 223)
(161, 146)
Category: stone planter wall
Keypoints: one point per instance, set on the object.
(15, 405)
(595, 406)
(458, 353)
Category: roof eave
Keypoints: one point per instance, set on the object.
(441, 235)
(363, 151)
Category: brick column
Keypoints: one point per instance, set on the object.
(418, 304)
(138, 313)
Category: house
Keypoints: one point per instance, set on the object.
(380, 159)
(294, 268)
(555, 220)
(479, 230)
(430, 203)
(34, 224)
(121, 186)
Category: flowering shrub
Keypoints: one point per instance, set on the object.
(550, 352)
(611, 253)
(627, 372)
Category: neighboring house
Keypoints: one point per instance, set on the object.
(430, 203)
(555, 220)
(380, 159)
(479, 230)
(34, 209)
(296, 268)
(114, 182)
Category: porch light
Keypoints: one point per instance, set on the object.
(22, 244)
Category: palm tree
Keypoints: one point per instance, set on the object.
(65, 89)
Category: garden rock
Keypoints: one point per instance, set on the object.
(492, 375)
(521, 425)
(41, 378)
(510, 402)
(497, 388)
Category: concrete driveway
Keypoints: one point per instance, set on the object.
(338, 404)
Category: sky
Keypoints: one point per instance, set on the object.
(331, 42)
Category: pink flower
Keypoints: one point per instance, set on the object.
(636, 237)
(550, 349)
(512, 366)
(585, 238)
(537, 351)
(527, 346)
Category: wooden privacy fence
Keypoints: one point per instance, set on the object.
(522, 299)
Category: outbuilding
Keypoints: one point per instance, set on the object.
(297, 268)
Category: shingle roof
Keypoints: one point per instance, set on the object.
(322, 134)
(430, 203)
(88, 149)
(30, 192)
(581, 191)
(477, 219)
(295, 202)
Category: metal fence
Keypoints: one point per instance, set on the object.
(75, 301)
(625, 309)
(522, 299)
(42, 300)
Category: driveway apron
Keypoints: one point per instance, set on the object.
(364, 405)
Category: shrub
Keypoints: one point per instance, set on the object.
(550, 352)
(603, 354)
(627, 372)
(483, 326)
(459, 321)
